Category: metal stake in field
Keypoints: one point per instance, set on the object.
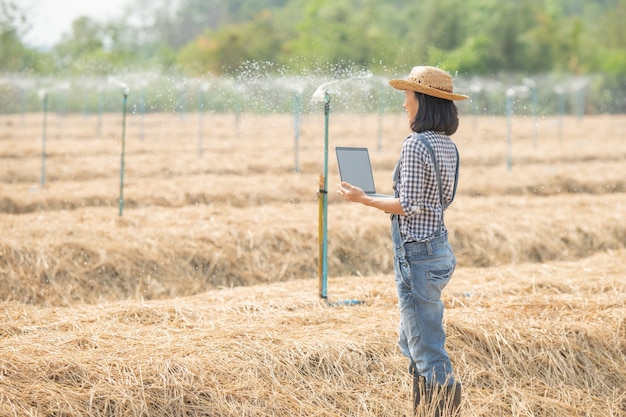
(323, 208)
(510, 95)
(509, 122)
(201, 92)
(532, 85)
(379, 131)
(296, 127)
(323, 218)
(100, 110)
(44, 97)
(125, 92)
(560, 92)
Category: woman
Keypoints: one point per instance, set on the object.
(424, 184)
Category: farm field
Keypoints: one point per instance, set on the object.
(201, 299)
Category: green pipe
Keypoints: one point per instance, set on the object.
(509, 134)
(200, 123)
(123, 153)
(42, 180)
(324, 196)
(296, 126)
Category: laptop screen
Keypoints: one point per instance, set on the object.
(355, 167)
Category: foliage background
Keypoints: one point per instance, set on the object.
(504, 40)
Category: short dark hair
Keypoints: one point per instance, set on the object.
(435, 114)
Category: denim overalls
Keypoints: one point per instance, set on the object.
(422, 270)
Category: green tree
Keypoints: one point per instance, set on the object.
(13, 23)
(342, 33)
(226, 50)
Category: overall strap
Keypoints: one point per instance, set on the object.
(438, 172)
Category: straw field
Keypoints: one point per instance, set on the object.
(201, 299)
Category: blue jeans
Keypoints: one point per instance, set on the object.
(422, 270)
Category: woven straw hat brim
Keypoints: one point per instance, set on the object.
(421, 88)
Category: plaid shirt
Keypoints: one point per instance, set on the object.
(415, 183)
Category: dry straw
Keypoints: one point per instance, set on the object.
(545, 341)
(137, 316)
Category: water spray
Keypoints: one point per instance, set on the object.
(125, 92)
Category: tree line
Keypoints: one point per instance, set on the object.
(196, 37)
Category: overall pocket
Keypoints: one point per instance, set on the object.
(402, 268)
(436, 281)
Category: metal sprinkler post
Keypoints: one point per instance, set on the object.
(125, 92)
(44, 98)
(323, 219)
(510, 96)
(323, 206)
(296, 127)
(201, 92)
(532, 85)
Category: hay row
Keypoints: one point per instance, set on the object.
(91, 187)
(91, 255)
(526, 340)
(481, 143)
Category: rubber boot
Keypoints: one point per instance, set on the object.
(435, 401)
(452, 399)
(442, 401)
(418, 386)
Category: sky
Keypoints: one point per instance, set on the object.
(50, 19)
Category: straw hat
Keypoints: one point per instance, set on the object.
(431, 81)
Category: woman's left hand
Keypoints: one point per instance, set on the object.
(350, 192)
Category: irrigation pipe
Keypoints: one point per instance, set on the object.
(125, 92)
(323, 209)
(44, 99)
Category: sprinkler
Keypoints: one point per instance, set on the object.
(100, 110)
(125, 92)
(579, 88)
(323, 216)
(561, 93)
(297, 108)
(203, 89)
(323, 219)
(181, 106)
(532, 85)
(475, 90)
(43, 94)
(510, 95)
(142, 110)
(379, 130)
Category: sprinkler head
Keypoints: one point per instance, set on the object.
(517, 90)
(123, 86)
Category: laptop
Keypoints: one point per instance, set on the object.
(355, 168)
